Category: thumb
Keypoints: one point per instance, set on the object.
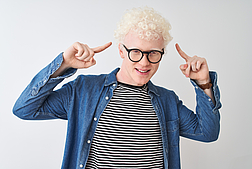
(101, 48)
(183, 67)
(89, 63)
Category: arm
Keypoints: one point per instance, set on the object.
(205, 124)
(38, 100)
(33, 102)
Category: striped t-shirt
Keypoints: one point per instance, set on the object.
(128, 133)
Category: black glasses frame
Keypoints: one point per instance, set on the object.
(144, 52)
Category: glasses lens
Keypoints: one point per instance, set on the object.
(155, 56)
(135, 55)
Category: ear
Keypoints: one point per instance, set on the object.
(121, 50)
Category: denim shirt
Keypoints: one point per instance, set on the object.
(83, 100)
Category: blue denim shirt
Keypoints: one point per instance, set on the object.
(83, 100)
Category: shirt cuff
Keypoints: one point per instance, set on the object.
(215, 88)
(55, 65)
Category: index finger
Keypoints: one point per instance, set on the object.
(181, 53)
(101, 48)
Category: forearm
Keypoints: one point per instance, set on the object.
(203, 125)
(209, 92)
(33, 97)
(206, 86)
(62, 69)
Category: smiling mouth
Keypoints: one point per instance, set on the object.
(142, 71)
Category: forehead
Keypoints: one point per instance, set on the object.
(132, 39)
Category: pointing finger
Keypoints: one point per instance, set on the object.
(101, 48)
(181, 53)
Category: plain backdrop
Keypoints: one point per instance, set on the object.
(33, 33)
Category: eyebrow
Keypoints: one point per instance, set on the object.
(147, 50)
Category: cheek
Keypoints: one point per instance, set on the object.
(155, 68)
(128, 64)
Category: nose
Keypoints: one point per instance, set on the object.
(144, 61)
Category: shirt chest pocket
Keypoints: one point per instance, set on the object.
(173, 133)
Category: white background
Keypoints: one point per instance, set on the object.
(33, 33)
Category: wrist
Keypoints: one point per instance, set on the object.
(204, 81)
(204, 84)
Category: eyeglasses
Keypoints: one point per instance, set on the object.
(153, 56)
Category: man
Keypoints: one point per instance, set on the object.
(121, 119)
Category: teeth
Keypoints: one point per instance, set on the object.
(142, 71)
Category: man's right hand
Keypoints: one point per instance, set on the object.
(79, 56)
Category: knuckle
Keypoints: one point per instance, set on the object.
(86, 46)
(193, 62)
(92, 53)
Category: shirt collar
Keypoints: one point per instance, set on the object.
(152, 88)
(111, 77)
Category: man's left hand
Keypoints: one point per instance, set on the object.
(195, 67)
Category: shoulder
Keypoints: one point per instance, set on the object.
(164, 90)
(89, 80)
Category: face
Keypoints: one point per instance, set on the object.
(137, 73)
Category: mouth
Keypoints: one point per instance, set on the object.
(142, 71)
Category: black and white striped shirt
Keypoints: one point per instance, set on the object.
(128, 133)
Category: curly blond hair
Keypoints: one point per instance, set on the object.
(146, 22)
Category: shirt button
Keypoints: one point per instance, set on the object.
(209, 99)
(95, 119)
(88, 141)
(81, 165)
(196, 87)
(106, 97)
(114, 85)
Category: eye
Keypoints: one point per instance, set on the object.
(135, 51)
(154, 52)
